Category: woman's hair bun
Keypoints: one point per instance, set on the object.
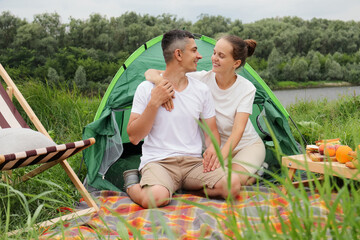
(251, 45)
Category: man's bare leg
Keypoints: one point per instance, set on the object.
(149, 196)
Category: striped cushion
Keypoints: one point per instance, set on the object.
(43, 155)
(22, 139)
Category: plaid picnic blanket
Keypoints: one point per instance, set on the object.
(192, 217)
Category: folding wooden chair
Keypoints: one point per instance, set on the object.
(46, 156)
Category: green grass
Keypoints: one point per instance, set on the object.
(325, 119)
(308, 84)
(65, 113)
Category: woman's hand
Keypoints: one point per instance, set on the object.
(155, 76)
(169, 104)
(210, 161)
(162, 93)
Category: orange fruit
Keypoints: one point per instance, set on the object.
(337, 146)
(321, 149)
(329, 150)
(342, 154)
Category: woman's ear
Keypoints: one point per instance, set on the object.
(237, 64)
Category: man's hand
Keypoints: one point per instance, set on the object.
(162, 93)
(210, 161)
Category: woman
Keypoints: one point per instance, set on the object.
(233, 96)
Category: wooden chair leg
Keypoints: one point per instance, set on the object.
(8, 173)
(84, 193)
(78, 184)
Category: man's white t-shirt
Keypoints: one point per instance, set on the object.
(175, 133)
(238, 98)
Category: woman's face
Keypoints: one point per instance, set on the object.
(222, 59)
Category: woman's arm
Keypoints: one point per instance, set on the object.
(238, 129)
(154, 76)
(211, 161)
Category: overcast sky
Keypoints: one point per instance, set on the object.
(246, 11)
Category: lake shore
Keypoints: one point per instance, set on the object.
(286, 85)
(330, 92)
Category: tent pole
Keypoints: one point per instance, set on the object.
(302, 136)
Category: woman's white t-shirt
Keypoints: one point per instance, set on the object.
(238, 98)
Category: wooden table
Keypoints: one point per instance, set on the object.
(303, 162)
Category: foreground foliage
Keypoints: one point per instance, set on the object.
(65, 112)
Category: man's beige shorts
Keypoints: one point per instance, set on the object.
(179, 172)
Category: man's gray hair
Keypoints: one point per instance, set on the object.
(172, 40)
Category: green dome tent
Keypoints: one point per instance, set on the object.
(113, 153)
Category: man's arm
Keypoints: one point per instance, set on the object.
(211, 161)
(140, 125)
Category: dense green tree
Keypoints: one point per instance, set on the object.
(17, 57)
(287, 72)
(314, 70)
(8, 28)
(300, 69)
(74, 37)
(97, 71)
(352, 72)
(135, 36)
(288, 48)
(33, 36)
(333, 70)
(65, 61)
(236, 28)
(286, 42)
(29, 36)
(273, 68)
(96, 33)
(80, 78)
(51, 23)
(357, 56)
(53, 77)
(211, 25)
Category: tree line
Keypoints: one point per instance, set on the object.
(89, 52)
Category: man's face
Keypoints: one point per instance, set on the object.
(190, 56)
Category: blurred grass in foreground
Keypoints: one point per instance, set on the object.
(64, 113)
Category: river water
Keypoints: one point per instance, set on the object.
(291, 96)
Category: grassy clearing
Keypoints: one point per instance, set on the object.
(324, 119)
(308, 84)
(65, 113)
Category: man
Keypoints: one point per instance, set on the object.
(172, 140)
